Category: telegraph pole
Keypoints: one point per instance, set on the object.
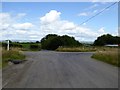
(8, 47)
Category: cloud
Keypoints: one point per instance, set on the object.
(9, 22)
(101, 30)
(92, 7)
(21, 14)
(11, 29)
(68, 26)
(21, 31)
(50, 23)
(89, 13)
(24, 26)
(5, 21)
(62, 27)
(83, 14)
(50, 17)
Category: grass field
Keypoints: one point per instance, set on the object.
(108, 55)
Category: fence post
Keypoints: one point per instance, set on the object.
(8, 47)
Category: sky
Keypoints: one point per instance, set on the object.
(34, 20)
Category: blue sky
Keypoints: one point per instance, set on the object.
(34, 20)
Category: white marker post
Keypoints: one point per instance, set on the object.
(8, 46)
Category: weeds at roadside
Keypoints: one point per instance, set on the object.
(13, 54)
(108, 55)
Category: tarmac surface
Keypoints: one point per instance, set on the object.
(49, 69)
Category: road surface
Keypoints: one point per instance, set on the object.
(49, 69)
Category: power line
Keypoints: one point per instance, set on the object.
(98, 13)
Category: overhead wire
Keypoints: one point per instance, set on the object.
(99, 13)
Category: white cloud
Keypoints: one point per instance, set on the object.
(34, 36)
(50, 17)
(11, 29)
(83, 14)
(68, 26)
(21, 14)
(25, 26)
(62, 27)
(101, 30)
(5, 21)
(4, 16)
(88, 13)
(21, 31)
(50, 23)
(93, 6)
(8, 21)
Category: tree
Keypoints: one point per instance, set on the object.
(37, 41)
(107, 39)
(53, 41)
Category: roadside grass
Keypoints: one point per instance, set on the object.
(108, 55)
(13, 54)
(76, 49)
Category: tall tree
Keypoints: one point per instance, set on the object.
(53, 41)
(107, 39)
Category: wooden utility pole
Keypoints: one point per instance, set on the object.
(8, 47)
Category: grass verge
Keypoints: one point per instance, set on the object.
(108, 55)
(13, 54)
(76, 49)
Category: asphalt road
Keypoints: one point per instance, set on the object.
(49, 69)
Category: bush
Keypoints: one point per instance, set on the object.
(107, 39)
(52, 41)
(12, 45)
(35, 47)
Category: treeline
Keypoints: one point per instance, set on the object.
(53, 41)
(11, 45)
(24, 46)
(106, 39)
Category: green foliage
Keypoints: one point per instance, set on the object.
(53, 41)
(12, 54)
(107, 39)
(27, 46)
(12, 44)
(34, 47)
